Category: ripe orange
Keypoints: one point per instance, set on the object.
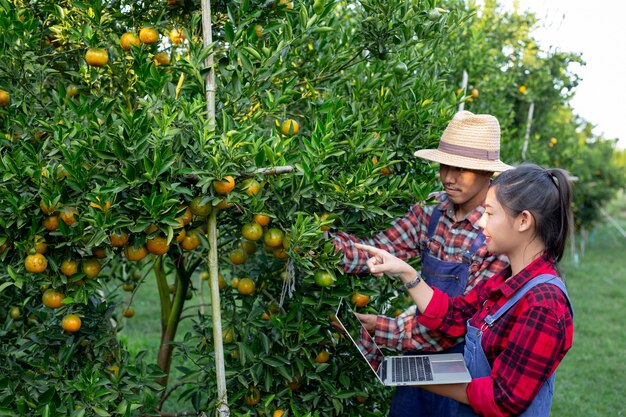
(186, 217)
(5, 98)
(118, 239)
(221, 282)
(289, 127)
(91, 267)
(52, 298)
(180, 235)
(324, 278)
(128, 312)
(238, 256)
(200, 206)
(69, 215)
(128, 286)
(36, 263)
(177, 36)
(51, 223)
(252, 397)
(162, 58)
(99, 252)
(360, 300)
(224, 204)
(475, 93)
(258, 31)
(246, 286)
(280, 253)
(361, 399)
(225, 186)
(71, 323)
(322, 357)
(274, 237)
(252, 231)
(96, 57)
(234, 282)
(553, 141)
(251, 186)
(149, 35)
(40, 244)
(158, 245)
(69, 267)
(522, 89)
(262, 219)
(191, 241)
(135, 253)
(128, 39)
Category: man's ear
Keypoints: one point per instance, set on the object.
(526, 221)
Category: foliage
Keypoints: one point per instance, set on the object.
(126, 147)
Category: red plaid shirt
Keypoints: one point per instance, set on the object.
(451, 239)
(524, 347)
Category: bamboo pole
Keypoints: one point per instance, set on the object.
(464, 88)
(220, 372)
(529, 122)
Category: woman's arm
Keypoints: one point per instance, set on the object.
(457, 392)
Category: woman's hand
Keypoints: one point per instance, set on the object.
(382, 262)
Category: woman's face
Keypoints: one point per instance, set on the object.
(501, 234)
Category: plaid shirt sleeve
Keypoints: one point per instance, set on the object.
(401, 239)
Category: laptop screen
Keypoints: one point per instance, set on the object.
(359, 336)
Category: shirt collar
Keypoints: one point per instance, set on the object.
(539, 266)
(473, 217)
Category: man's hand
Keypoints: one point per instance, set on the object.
(369, 322)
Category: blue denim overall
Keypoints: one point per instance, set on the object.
(477, 361)
(450, 277)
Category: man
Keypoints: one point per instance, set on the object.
(449, 241)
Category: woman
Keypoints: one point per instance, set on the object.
(519, 324)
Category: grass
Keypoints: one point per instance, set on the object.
(590, 379)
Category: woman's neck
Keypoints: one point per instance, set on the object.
(521, 258)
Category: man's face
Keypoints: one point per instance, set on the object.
(465, 188)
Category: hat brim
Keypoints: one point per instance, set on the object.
(436, 155)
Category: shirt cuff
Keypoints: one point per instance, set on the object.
(435, 311)
(384, 334)
(481, 397)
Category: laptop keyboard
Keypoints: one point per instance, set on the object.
(411, 368)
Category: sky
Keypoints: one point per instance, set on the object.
(597, 30)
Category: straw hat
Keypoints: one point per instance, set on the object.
(470, 141)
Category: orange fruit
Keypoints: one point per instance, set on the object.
(52, 298)
(158, 245)
(274, 237)
(200, 206)
(252, 231)
(228, 336)
(69, 267)
(322, 357)
(186, 217)
(246, 286)
(475, 93)
(180, 235)
(51, 223)
(5, 98)
(224, 186)
(224, 204)
(68, 215)
(262, 219)
(252, 397)
(99, 252)
(162, 58)
(40, 244)
(135, 253)
(191, 241)
(361, 399)
(71, 323)
(91, 267)
(360, 300)
(96, 57)
(258, 31)
(234, 282)
(36, 263)
(251, 186)
(70, 91)
(118, 239)
(128, 312)
(129, 39)
(522, 89)
(149, 35)
(177, 36)
(221, 282)
(238, 256)
(553, 141)
(249, 246)
(289, 127)
(324, 278)
(280, 253)
(15, 312)
(128, 286)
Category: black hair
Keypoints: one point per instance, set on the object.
(546, 194)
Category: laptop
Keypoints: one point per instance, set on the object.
(443, 368)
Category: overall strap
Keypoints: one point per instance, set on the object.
(434, 220)
(552, 279)
(476, 244)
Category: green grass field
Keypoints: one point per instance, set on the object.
(591, 379)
